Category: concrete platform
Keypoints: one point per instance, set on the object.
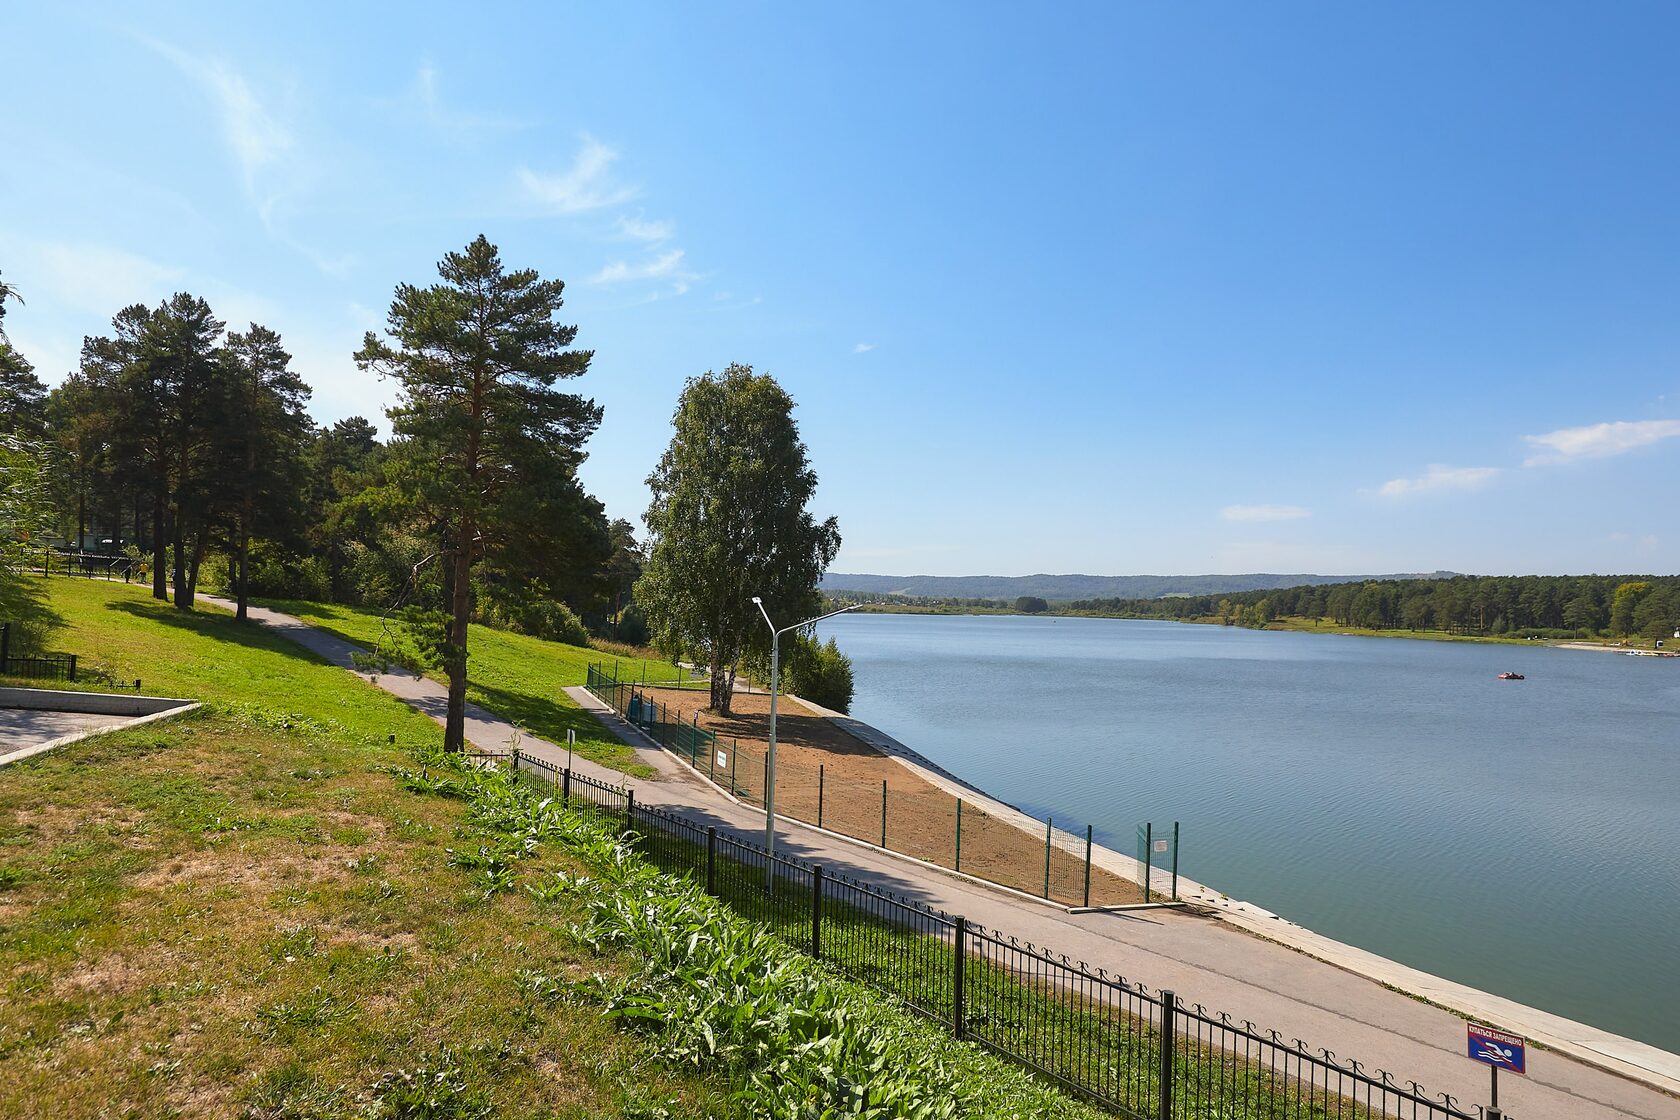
(35, 720)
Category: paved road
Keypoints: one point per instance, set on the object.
(1203, 960)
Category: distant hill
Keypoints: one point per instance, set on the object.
(1082, 586)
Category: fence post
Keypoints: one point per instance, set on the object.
(820, 767)
(959, 957)
(630, 809)
(1493, 1114)
(1169, 1024)
(711, 859)
(72, 667)
(1049, 822)
(514, 759)
(816, 912)
(957, 866)
(1087, 865)
(1175, 861)
(883, 812)
(1148, 857)
(566, 787)
(5, 644)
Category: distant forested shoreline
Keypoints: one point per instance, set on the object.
(1642, 607)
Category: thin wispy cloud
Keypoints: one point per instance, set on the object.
(665, 266)
(1598, 441)
(588, 184)
(641, 229)
(257, 137)
(863, 348)
(425, 101)
(1260, 513)
(1439, 477)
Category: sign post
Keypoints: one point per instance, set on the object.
(1496, 1050)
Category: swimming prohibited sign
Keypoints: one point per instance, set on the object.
(1498, 1051)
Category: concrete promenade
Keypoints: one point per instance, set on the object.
(1203, 959)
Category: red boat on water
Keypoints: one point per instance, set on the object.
(1511, 677)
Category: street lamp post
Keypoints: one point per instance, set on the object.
(770, 758)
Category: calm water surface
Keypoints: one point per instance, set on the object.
(1520, 837)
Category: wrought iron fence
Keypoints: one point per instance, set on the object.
(45, 667)
(1145, 1055)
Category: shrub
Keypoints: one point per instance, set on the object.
(820, 673)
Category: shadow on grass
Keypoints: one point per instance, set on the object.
(215, 627)
(23, 604)
(549, 719)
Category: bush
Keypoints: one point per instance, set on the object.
(525, 612)
(820, 673)
(277, 574)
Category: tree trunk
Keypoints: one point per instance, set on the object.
(178, 538)
(244, 560)
(455, 722)
(160, 568)
(200, 541)
(721, 685)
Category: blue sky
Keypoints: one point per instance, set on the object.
(1111, 288)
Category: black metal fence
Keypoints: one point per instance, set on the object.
(45, 667)
(93, 565)
(1145, 1055)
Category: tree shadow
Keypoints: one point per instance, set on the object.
(23, 604)
(540, 715)
(215, 627)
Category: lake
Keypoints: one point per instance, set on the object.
(1522, 837)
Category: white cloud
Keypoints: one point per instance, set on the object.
(1598, 441)
(666, 266)
(640, 229)
(1439, 477)
(258, 138)
(1264, 513)
(586, 185)
(424, 101)
(863, 348)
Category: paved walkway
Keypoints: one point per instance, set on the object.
(24, 732)
(1203, 960)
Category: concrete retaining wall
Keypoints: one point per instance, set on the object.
(93, 703)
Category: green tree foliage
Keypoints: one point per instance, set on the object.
(818, 671)
(1031, 604)
(263, 442)
(486, 450)
(729, 521)
(1541, 606)
(26, 515)
(1625, 604)
(23, 398)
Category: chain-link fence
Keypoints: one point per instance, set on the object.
(892, 807)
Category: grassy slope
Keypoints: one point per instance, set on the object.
(518, 677)
(240, 910)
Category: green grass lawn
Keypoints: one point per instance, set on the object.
(239, 912)
(518, 677)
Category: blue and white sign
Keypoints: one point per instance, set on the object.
(1497, 1049)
